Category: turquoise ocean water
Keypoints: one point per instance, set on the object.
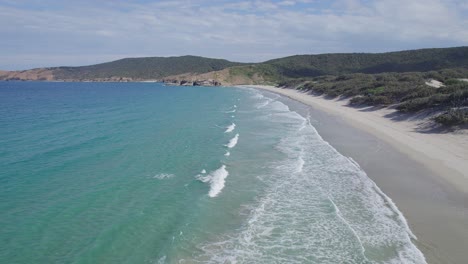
(143, 173)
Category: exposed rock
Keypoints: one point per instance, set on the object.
(41, 74)
(196, 82)
(208, 82)
(216, 78)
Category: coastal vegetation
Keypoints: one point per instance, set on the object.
(408, 92)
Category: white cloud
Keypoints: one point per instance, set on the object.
(244, 31)
(287, 3)
(265, 5)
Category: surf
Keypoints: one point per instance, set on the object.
(318, 206)
(233, 142)
(216, 179)
(230, 128)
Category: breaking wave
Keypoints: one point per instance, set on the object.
(230, 128)
(233, 142)
(216, 179)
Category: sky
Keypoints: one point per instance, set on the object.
(46, 33)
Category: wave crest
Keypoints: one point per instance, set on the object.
(230, 128)
(233, 142)
(216, 179)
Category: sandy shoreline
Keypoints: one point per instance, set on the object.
(446, 154)
(431, 192)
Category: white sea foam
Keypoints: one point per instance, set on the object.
(264, 103)
(393, 206)
(233, 142)
(300, 164)
(203, 171)
(319, 206)
(279, 107)
(227, 154)
(163, 176)
(385, 212)
(257, 95)
(216, 179)
(385, 200)
(338, 213)
(230, 128)
(162, 260)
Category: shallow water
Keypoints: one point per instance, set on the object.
(140, 172)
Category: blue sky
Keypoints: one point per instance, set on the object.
(37, 33)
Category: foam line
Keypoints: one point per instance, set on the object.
(338, 213)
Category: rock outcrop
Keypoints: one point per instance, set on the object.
(209, 82)
(40, 74)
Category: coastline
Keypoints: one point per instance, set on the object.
(424, 172)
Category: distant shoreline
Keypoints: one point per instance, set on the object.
(431, 187)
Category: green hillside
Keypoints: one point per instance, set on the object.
(144, 68)
(301, 66)
(293, 67)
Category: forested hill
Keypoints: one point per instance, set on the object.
(299, 66)
(308, 66)
(128, 69)
(145, 68)
(343, 63)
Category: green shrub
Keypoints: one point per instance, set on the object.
(333, 93)
(452, 82)
(453, 117)
(424, 102)
(376, 91)
(371, 100)
(414, 104)
(357, 100)
(454, 73)
(379, 100)
(433, 75)
(419, 92)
